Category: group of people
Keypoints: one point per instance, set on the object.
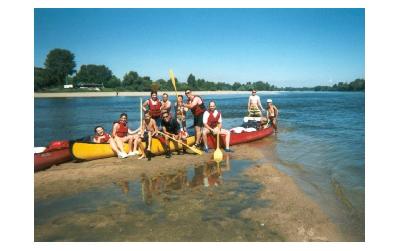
(159, 122)
(256, 109)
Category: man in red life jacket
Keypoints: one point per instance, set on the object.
(153, 105)
(121, 134)
(102, 137)
(196, 105)
(212, 120)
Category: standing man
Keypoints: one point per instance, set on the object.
(165, 104)
(153, 105)
(254, 106)
(212, 120)
(196, 105)
(272, 114)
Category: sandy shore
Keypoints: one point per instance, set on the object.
(289, 213)
(125, 94)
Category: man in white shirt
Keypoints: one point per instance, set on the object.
(254, 105)
(212, 121)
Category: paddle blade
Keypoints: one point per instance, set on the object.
(171, 75)
(218, 156)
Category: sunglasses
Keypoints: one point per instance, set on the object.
(187, 93)
(164, 117)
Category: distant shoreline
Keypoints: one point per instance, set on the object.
(130, 94)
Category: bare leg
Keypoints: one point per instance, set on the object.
(136, 141)
(113, 145)
(227, 137)
(119, 144)
(198, 134)
(130, 142)
(205, 132)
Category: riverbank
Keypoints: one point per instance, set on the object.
(126, 94)
(289, 213)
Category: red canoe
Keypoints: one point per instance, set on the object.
(239, 138)
(56, 153)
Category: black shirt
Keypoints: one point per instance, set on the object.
(172, 126)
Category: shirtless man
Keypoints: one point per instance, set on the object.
(165, 104)
(149, 130)
(254, 106)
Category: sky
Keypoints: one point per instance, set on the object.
(285, 47)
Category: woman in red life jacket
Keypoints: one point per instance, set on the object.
(102, 137)
(122, 134)
(212, 120)
(196, 105)
(153, 105)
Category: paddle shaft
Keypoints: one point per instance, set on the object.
(180, 142)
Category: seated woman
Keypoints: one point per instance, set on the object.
(121, 134)
(103, 137)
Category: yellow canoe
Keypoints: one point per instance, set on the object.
(91, 151)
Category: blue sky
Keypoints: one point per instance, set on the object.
(286, 47)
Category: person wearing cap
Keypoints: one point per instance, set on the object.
(254, 106)
(272, 115)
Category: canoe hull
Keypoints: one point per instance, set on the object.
(46, 159)
(240, 138)
(91, 151)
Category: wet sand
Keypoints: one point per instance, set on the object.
(290, 213)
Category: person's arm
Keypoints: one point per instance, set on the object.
(193, 103)
(220, 122)
(114, 130)
(259, 103)
(96, 140)
(164, 129)
(276, 112)
(248, 104)
(145, 104)
(205, 119)
(133, 132)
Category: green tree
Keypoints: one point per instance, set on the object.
(59, 63)
(41, 79)
(114, 82)
(130, 79)
(191, 80)
(236, 86)
(99, 74)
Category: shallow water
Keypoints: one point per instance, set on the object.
(320, 143)
(200, 203)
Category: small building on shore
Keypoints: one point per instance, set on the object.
(90, 86)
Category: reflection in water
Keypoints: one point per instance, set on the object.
(156, 187)
(124, 185)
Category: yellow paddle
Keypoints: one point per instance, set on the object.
(218, 156)
(180, 142)
(171, 75)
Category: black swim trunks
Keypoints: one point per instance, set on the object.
(198, 120)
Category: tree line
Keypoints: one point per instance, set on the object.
(59, 69)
